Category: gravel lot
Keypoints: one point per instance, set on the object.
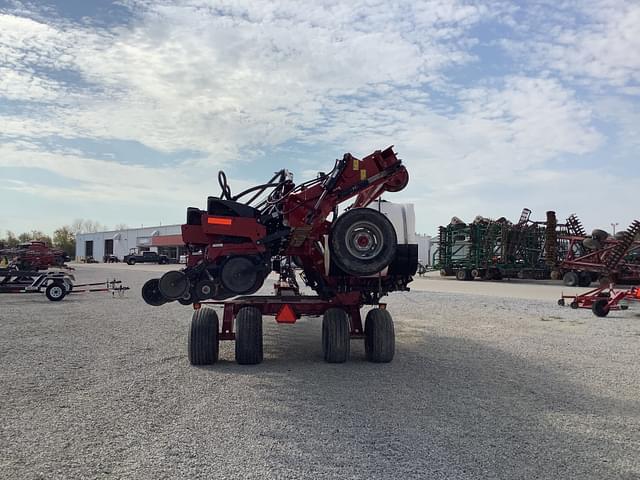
(481, 387)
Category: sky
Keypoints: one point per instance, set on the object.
(124, 111)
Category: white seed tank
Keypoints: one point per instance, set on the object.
(403, 218)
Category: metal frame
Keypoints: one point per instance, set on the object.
(272, 305)
(587, 299)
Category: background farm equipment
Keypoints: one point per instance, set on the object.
(598, 257)
(492, 249)
(54, 284)
(34, 255)
(602, 300)
(352, 259)
(495, 249)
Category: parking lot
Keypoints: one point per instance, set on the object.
(489, 381)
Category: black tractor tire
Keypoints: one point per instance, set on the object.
(600, 235)
(151, 293)
(600, 307)
(204, 340)
(379, 336)
(584, 279)
(249, 336)
(604, 281)
(463, 274)
(362, 242)
(570, 279)
(336, 338)
(591, 243)
(477, 273)
(55, 291)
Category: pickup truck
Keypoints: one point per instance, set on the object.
(145, 257)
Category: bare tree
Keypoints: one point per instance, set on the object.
(80, 225)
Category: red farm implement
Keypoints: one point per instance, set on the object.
(349, 260)
(34, 255)
(600, 257)
(602, 300)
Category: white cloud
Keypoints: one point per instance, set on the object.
(594, 43)
(236, 79)
(218, 77)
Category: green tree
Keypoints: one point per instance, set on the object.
(10, 240)
(80, 225)
(64, 239)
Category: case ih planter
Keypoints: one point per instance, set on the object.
(349, 260)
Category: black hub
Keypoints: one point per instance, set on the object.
(205, 290)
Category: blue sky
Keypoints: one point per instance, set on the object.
(124, 111)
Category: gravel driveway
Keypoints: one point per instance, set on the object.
(481, 387)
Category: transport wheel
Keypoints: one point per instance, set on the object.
(131, 261)
(561, 302)
(362, 242)
(570, 279)
(600, 235)
(151, 293)
(600, 307)
(55, 291)
(249, 336)
(574, 305)
(336, 339)
(591, 243)
(463, 274)
(584, 279)
(204, 342)
(604, 281)
(379, 336)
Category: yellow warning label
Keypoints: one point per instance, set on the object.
(363, 174)
(356, 164)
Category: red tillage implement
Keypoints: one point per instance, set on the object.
(602, 300)
(349, 260)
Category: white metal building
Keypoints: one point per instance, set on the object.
(424, 249)
(166, 240)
